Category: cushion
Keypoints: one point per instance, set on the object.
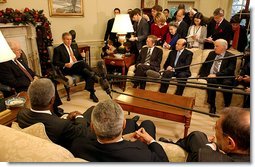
(37, 130)
(174, 152)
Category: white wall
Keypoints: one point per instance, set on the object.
(91, 27)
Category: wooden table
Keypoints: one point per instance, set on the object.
(9, 115)
(124, 62)
(154, 109)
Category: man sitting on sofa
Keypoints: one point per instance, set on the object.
(177, 58)
(60, 131)
(107, 121)
(232, 133)
(149, 59)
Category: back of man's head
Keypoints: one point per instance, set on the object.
(236, 124)
(107, 119)
(40, 93)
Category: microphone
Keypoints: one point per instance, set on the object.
(102, 72)
(153, 74)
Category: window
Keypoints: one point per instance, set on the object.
(237, 6)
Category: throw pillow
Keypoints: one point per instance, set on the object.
(37, 130)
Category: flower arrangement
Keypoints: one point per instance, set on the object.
(43, 30)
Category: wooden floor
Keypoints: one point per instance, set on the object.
(80, 102)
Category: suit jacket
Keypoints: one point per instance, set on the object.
(141, 32)
(12, 76)
(224, 31)
(155, 60)
(60, 131)
(124, 151)
(108, 33)
(206, 154)
(227, 67)
(182, 29)
(61, 56)
(184, 60)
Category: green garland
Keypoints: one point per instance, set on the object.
(43, 30)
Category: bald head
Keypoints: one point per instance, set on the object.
(15, 47)
(180, 44)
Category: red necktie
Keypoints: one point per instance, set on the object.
(24, 70)
(216, 26)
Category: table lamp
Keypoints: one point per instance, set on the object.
(6, 53)
(122, 25)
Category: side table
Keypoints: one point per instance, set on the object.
(123, 62)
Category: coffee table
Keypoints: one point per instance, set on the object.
(150, 108)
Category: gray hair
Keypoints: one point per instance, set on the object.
(222, 42)
(107, 119)
(40, 92)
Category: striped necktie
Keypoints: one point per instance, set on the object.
(148, 56)
(24, 70)
(177, 57)
(71, 54)
(216, 64)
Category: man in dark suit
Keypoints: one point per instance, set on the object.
(232, 144)
(60, 131)
(70, 61)
(183, 27)
(16, 74)
(107, 121)
(141, 29)
(149, 59)
(214, 69)
(110, 35)
(218, 28)
(177, 58)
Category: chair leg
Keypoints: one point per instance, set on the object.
(68, 92)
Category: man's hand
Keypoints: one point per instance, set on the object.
(166, 45)
(211, 76)
(169, 68)
(130, 137)
(143, 136)
(247, 79)
(239, 78)
(209, 39)
(72, 115)
(248, 90)
(68, 65)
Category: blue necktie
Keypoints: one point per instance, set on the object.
(177, 57)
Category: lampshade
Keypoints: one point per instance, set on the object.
(122, 24)
(6, 53)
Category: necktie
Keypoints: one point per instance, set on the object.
(71, 54)
(24, 70)
(177, 57)
(148, 56)
(216, 64)
(216, 26)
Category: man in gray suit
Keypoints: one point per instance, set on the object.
(141, 28)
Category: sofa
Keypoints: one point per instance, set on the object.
(200, 95)
(31, 144)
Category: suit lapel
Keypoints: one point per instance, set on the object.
(65, 53)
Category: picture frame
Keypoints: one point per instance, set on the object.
(3, 1)
(69, 8)
(148, 3)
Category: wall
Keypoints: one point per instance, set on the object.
(90, 29)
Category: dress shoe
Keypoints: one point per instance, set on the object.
(212, 110)
(136, 118)
(165, 140)
(93, 97)
(59, 112)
